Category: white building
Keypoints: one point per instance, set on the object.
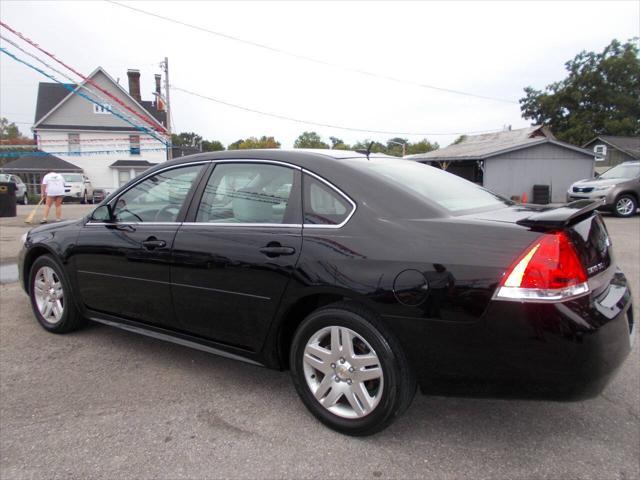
(106, 147)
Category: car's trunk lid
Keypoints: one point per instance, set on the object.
(579, 219)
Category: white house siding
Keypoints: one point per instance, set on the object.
(517, 172)
(96, 165)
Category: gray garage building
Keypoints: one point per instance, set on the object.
(512, 162)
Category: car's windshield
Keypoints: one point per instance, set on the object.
(72, 177)
(447, 190)
(631, 170)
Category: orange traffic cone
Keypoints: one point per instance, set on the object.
(524, 197)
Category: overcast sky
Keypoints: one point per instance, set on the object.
(487, 48)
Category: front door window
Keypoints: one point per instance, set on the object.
(159, 198)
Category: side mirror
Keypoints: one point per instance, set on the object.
(103, 213)
(596, 175)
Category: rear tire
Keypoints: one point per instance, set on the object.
(625, 206)
(349, 370)
(51, 297)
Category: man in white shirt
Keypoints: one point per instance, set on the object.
(53, 190)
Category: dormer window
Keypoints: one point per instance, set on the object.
(600, 152)
(102, 109)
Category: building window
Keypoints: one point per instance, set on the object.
(123, 177)
(102, 109)
(74, 143)
(134, 144)
(600, 152)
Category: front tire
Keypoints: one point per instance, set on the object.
(51, 297)
(84, 200)
(349, 371)
(25, 199)
(625, 206)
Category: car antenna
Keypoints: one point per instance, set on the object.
(366, 152)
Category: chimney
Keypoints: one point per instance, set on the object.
(134, 84)
(158, 77)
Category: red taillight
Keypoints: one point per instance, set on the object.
(549, 270)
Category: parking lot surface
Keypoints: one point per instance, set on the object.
(104, 403)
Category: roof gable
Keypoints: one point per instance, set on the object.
(628, 145)
(73, 110)
(49, 96)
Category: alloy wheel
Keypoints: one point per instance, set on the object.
(343, 372)
(625, 206)
(48, 294)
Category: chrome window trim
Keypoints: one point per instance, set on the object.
(337, 190)
(236, 160)
(225, 225)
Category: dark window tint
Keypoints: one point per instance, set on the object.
(451, 192)
(159, 198)
(322, 204)
(249, 193)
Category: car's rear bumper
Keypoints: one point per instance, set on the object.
(563, 351)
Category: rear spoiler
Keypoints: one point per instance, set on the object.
(561, 217)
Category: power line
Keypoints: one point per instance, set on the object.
(77, 92)
(311, 59)
(145, 118)
(318, 124)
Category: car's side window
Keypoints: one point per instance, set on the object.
(322, 204)
(159, 198)
(250, 193)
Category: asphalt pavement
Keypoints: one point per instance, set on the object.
(104, 403)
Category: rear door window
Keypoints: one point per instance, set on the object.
(251, 193)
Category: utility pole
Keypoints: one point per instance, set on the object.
(165, 64)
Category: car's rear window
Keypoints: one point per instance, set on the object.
(451, 192)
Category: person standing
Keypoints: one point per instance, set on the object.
(53, 190)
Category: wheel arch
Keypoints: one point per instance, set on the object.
(292, 315)
(34, 252)
(631, 193)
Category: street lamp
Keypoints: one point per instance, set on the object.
(404, 145)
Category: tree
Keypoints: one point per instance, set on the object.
(423, 146)
(186, 139)
(394, 149)
(309, 140)
(338, 144)
(10, 134)
(253, 142)
(212, 146)
(460, 139)
(598, 97)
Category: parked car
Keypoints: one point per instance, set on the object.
(22, 195)
(363, 276)
(99, 194)
(77, 186)
(618, 188)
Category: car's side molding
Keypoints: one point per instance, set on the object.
(154, 333)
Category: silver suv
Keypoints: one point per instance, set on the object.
(619, 186)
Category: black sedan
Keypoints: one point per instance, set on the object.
(364, 276)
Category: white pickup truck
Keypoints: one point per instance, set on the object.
(77, 186)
